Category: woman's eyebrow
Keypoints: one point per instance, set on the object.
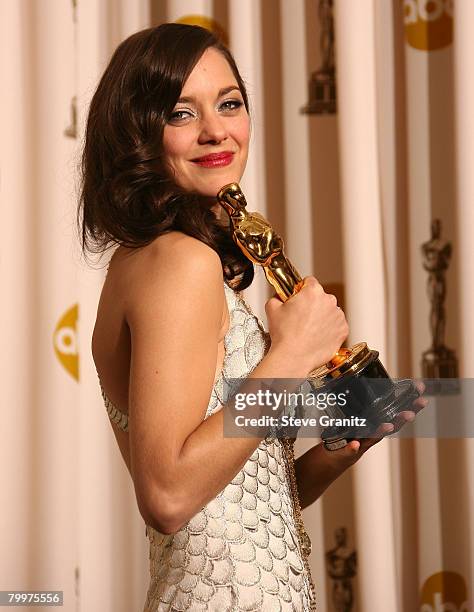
(222, 92)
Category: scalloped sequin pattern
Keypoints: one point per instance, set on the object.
(241, 552)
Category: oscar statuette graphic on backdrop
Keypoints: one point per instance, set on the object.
(341, 565)
(438, 362)
(322, 83)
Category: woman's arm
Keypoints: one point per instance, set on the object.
(178, 461)
(315, 471)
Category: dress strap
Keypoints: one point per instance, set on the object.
(115, 415)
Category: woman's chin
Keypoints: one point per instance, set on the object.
(214, 184)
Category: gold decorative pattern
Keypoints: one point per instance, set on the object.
(305, 541)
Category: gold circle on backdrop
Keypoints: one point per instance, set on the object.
(208, 23)
(444, 591)
(65, 341)
(428, 23)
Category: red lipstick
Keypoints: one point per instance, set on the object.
(215, 160)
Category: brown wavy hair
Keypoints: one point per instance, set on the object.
(127, 197)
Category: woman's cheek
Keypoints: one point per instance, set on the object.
(244, 128)
(177, 141)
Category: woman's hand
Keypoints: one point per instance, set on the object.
(309, 327)
(318, 467)
(353, 451)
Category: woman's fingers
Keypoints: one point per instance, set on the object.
(419, 404)
(358, 447)
(349, 451)
(402, 418)
(384, 429)
(420, 385)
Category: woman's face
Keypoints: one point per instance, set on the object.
(206, 138)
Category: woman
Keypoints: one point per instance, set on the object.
(168, 126)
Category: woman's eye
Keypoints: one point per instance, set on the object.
(179, 116)
(183, 115)
(230, 105)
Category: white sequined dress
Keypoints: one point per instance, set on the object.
(241, 551)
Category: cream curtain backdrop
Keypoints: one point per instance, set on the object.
(352, 193)
(40, 415)
(364, 276)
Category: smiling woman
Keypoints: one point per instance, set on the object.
(167, 127)
(208, 128)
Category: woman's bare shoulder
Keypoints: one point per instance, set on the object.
(168, 249)
(174, 252)
(173, 262)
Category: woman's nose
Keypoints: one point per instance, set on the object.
(213, 129)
